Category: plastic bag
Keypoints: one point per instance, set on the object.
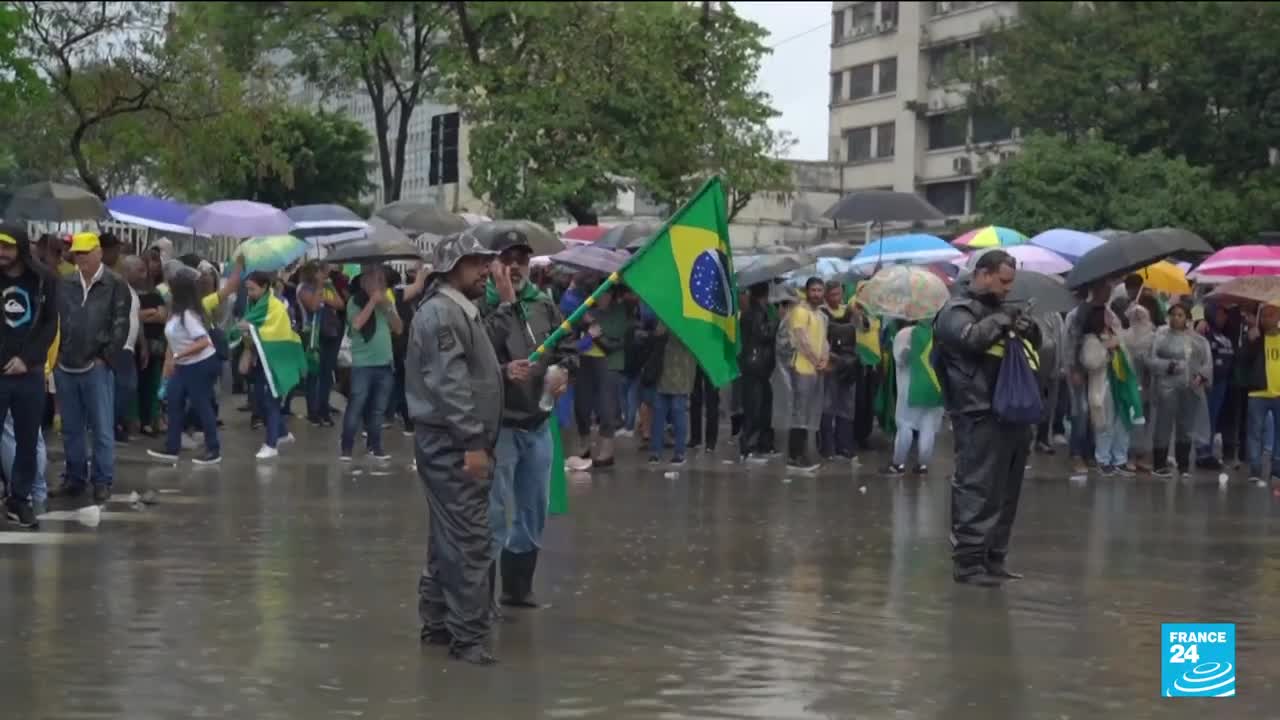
(1017, 396)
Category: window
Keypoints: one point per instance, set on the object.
(837, 26)
(989, 126)
(948, 197)
(863, 19)
(949, 130)
(942, 63)
(942, 7)
(860, 79)
(858, 144)
(888, 75)
(837, 79)
(884, 140)
(889, 14)
(444, 149)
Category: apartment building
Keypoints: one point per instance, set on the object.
(895, 121)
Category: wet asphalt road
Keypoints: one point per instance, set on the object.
(287, 590)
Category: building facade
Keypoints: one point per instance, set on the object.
(896, 120)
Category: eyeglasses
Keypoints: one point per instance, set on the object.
(514, 258)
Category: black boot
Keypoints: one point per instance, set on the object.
(1182, 454)
(511, 586)
(524, 565)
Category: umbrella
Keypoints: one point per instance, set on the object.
(765, 268)
(55, 203)
(591, 258)
(1049, 294)
(326, 224)
(1070, 244)
(1263, 289)
(1027, 257)
(882, 206)
(629, 236)
(475, 218)
(913, 249)
(420, 218)
(584, 233)
(150, 212)
(833, 249)
(381, 246)
(1165, 277)
(270, 252)
(989, 237)
(502, 233)
(240, 219)
(1238, 261)
(1123, 255)
(909, 293)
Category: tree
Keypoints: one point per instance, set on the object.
(17, 77)
(126, 81)
(300, 158)
(571, 101)
(384, 50)
(1092, 184)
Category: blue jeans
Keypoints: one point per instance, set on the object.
(1217, 398)
(1080, 441)
(1111, 446)
(270, 408)
(1259, 408)
(192, 386)
(628, 399)
(320, 383)
(87, 401)
(522, 472)
(8, 449)
(370, 390)
(672, 409)
(125, 366)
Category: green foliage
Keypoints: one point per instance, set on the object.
(1195, 84)
(298, 158)
(18, 79)
(1092, 184)
(567, 99)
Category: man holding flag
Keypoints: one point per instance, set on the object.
(519, 317)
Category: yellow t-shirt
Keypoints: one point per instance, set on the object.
(210, 303)
(805, 320)
(1271, 356)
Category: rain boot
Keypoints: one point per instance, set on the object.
(511, 577)
(524, 565)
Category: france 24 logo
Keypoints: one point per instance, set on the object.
(1198, 659)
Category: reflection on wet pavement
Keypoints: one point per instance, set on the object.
(287, 591)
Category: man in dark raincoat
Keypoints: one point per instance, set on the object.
(991, 454)
(455, 396)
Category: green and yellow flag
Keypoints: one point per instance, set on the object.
(685, 275)
(925, 390)
(279, 347)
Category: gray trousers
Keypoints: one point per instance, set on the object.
(454, 592)
(991, 458)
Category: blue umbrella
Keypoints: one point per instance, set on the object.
(912, 249)
(1070, 244)
(151, 212)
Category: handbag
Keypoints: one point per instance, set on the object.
(1017, 394)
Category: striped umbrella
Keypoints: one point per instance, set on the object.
(1027, 257)
(1237, 261)
(989, 237)
(913, 249)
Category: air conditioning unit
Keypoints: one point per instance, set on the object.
(962, 165)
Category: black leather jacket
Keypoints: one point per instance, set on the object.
(966, 327)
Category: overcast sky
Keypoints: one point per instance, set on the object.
(796, 73)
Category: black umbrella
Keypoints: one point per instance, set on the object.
(592, 258)
(422, 218)
(628, 236)
(883, 206)
(497, 235)
(55, 203)
(769, 267)
(1124, 254)
(383, 245)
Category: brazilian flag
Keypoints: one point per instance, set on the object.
(685, 275)
(925, 390)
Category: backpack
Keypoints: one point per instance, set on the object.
(1017, 395)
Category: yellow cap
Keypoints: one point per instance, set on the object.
(85, 242)
(7, 239)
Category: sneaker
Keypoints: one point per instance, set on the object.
(1257, 481)
(313, 421)
(380, 455)
(711, 449)
(922, 470)
(1045, 448)
(1059, 439)
(208, 458)
(287, 439)
(677, 460)
(1163, 472)
(266, 452)
(896, 470)
(1123, 471)
(624, 433)
(326, 422)
(101, 494)
(344, 457)
(1079, 467)
(803, 467)
(21, 513)
(1209, 463)
(653, 460)
(163, 455)
(1106, 470)
(67, 490)
(578, 464)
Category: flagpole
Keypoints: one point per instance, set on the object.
(567, 326)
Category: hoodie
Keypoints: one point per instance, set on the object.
(30, 308)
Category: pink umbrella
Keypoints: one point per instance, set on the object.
(1237, 261)
(1028, 257)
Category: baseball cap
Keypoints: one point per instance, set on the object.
(83, 242)
(12, 234)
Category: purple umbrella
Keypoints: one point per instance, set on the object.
(240, 219)
(151, 212)
(592, 257)
(1070, 244)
